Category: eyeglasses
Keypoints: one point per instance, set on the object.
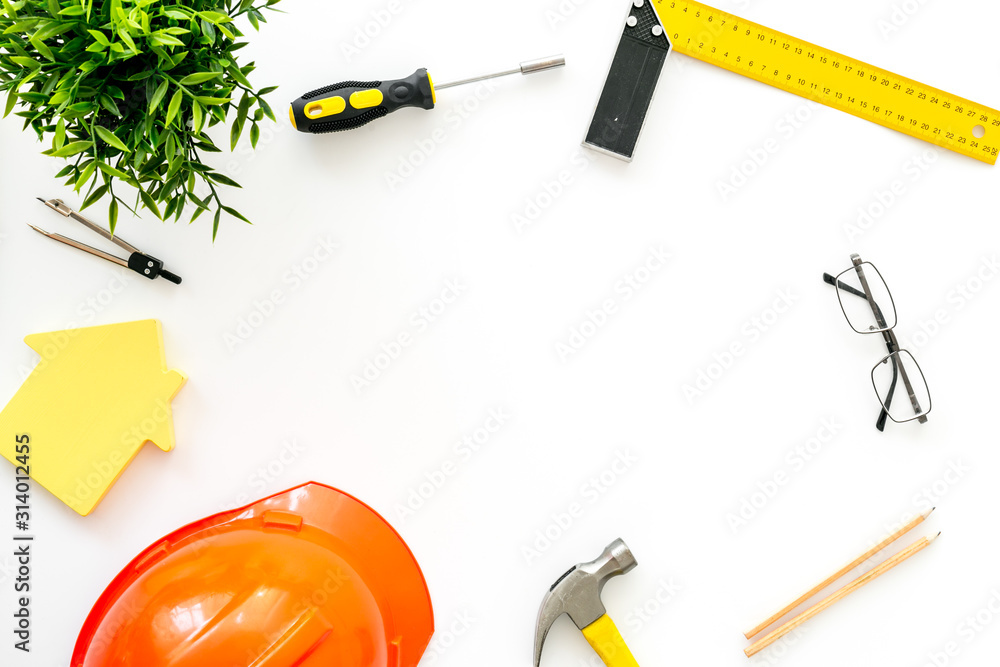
(869, 309)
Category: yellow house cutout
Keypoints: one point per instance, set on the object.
(95, 398)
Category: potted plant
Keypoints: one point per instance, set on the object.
(126, 89)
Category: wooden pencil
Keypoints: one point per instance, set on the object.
(869, 576)
(777, 616)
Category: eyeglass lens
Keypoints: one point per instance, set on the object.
(901, 387)
(865, 299)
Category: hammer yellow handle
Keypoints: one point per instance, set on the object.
(604, 637)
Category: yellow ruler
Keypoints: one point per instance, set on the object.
(832, 79)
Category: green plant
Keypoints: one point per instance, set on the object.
(127, 88)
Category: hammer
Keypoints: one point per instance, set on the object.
(578, 593)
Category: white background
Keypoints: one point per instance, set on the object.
(524, 291)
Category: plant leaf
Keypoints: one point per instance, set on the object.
(197, 213)
(158, 96)
(215, 224)
(199, 77)
(267, 109)
(60, 137)
(212, 101)
(238, 76)
(150, 203)
(113, 214)
(42, 48)
(175, 106)
(72, 148)
(85, 175)
(94, 196)
(236, 214)
(164, 39)
(51, 30)
(224, 180)
(125, 37)
(234, 134)
(25, 61)
(197, 117)
(243, 109)
(110, 106)
(111, 171)
(109, 137)
(101, 38)
(11, 102)
(216, 18)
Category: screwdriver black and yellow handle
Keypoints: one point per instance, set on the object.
(351, 104)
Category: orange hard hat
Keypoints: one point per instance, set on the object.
(304, 578)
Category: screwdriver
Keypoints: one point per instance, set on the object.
(352, 104)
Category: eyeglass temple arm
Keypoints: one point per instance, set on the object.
(898, 370)
(827, 278)
(893, 346)
(884, 414)
(879, 317)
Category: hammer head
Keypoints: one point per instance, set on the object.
(578, 592)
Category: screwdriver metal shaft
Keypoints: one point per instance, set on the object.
(528, 67)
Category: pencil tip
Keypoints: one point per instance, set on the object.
(928, 512)
(934, 538)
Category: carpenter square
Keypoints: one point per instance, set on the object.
(628, 91)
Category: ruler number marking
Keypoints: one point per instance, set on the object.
(713, 37)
